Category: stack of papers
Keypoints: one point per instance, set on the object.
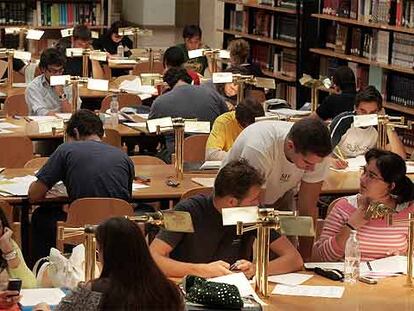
(18, 186)
(211, 165)
(384, 267)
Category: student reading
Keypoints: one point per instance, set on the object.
(213, 248)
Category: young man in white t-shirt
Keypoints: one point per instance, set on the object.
(354, 141)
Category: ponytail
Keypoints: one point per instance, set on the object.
(403, 190)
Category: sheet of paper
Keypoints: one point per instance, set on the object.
(241, 282)
(7, 125)
(290, 278)
(197, 127)
(136, 186)
(309, 291)
(74, 52)
(122, 61)
(98, 55)
(222, 77)
(59, 80)
(289, 112)
(354, 164)
(98, 84)
(141, 125)
(20, 84)
(23, 55)
(410, 167)
(164, 123)
(246, 214)
(143, 115)
(42, 118)
(365, 120)
(66, 32)
(144, 96)
(385, 266)
(224, 54)
(204, 181)
(195, 53)
(46, 126)
(31, 297)
(210, 165)
(12, 30)
(64, 115)
(33, 34)
(325, 265)
(16, 185)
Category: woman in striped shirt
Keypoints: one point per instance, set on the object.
(384, 181)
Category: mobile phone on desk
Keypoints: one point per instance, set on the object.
(15, 285)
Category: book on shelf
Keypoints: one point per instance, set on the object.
(239, 20)
(285, 28)
(341, 39)
(402, 50)
(330, 35)
(407, 137)
(263, 23)
(356, 43)
(400, 89)
(68, 14)
(13, 13)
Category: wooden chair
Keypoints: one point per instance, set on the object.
(195, 191)
(124, 100)
(195, 148)
(16, 105)
(112, 137)
(146, 160)
(19, 150)
(36, 163)
(92, 211)
(144, 67)
(9, 212)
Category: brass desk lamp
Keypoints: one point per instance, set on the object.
(386, 121)
(315, 85)
(170, 220)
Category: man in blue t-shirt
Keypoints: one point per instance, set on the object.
(87, 167)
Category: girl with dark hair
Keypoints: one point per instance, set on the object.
(130, 279)
(12, 265)
(383, 181)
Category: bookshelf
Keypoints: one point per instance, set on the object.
(279, 34)
(383, 55)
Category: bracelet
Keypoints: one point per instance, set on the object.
(10, 256)
(350, 226)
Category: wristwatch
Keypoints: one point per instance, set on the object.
(63, 96)
(10, 256)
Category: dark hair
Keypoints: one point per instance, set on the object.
(344, 78)
(173, 57)
(86, 123)
(393, 170)
(239, 51)
(115, 27)
(191, 31)
(81, 32)
(236, 179)
(249, 109)
(220, 86)
(51, 56)
(5, 223)
(135, 281)
(310, 135)
(369, 94)
(174, 74)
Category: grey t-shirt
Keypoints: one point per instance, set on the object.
(210, 241)
(90, 169)
(189, 101)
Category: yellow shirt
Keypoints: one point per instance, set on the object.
(224, 133)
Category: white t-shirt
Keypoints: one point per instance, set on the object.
(357, 141)
(262, 145)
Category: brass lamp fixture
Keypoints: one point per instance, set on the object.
(10, 54)
(135, 32)
(242, 80)
(263, 221)
(170, 220)
(315, 85)
(385, 122)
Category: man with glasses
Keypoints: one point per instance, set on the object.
(43, 99)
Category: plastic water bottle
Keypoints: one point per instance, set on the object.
(114, 111)
(120, 50)
(352, 258)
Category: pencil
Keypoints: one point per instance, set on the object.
(339, 154)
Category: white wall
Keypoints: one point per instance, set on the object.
(149, 12)
(211, 19)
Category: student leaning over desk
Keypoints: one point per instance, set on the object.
(384, 181)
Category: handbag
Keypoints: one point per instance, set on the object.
(212, 294)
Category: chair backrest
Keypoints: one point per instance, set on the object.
(19, 150)
(9, 212)
(92, 211)
(195, 191)
(124, 100)
(16, 105)
(195, 148)
(112, 137)
(146, 160)
(36, 163)
(144, 67)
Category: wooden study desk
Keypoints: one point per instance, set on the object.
(388, 294)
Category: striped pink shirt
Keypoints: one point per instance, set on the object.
(376, 239)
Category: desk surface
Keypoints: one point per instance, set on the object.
(388, 294)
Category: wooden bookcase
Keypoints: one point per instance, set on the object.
(304, 32)
(388, 68)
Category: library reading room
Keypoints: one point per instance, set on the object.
(182, 155)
